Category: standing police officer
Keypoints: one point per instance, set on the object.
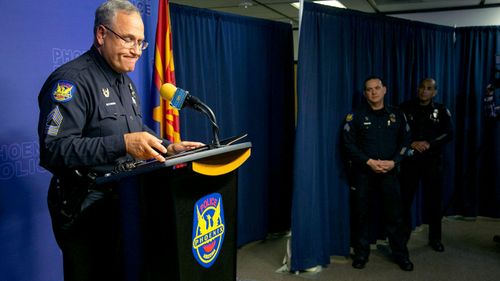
(431, 128)
(375, 138)
(89, 116)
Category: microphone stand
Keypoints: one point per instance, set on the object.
(200, 106)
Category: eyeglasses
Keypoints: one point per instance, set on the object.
(130, 43)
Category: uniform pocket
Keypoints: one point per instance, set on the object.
(111, 119)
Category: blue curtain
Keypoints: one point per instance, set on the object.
(338, 49)
(477, 140)
(243, 69)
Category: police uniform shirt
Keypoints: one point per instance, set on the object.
(431, 123)
(377, 134)
(85, 109)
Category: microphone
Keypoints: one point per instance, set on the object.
(178, 97)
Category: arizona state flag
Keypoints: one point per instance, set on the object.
(163, 72)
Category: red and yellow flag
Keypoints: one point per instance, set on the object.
(163, 72)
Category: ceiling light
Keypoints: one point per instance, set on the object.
(246, 3)
(333, 3)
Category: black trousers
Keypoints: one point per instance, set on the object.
(426, 170)
(367, 185)
(92, 248)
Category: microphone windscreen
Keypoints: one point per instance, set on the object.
(167, 91)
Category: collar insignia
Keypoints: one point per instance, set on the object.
(105, 92)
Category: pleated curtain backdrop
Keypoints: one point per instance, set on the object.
(243, 69)
(338, 49)
(477, 154)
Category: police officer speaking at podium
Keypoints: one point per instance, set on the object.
(90, 115)
(375, 138)
(431, 129)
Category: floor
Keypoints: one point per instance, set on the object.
(470, 254)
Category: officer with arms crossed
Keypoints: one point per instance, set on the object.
(375, 138)
(431, 129)
(90, 115)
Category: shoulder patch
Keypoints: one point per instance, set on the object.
(63, 91)
(349, 117)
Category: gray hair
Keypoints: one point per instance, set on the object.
(105, 13)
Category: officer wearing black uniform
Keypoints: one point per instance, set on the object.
(431, 129)
(90, 116)
(375, 138)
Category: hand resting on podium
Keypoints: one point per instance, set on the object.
(143, 146)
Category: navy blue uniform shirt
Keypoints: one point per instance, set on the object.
(431, 123)
(377, 134)
(85, 109)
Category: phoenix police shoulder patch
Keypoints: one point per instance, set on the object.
(63, 91)
(349, 117)
(208, 229)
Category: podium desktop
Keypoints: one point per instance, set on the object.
(179, 216)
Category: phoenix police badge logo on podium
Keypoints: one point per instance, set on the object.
(208, 229)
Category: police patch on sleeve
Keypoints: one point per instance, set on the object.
(349, 117)
(63, 91)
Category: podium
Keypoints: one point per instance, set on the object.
(179, 216)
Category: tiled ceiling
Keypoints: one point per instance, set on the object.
(281, 10)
